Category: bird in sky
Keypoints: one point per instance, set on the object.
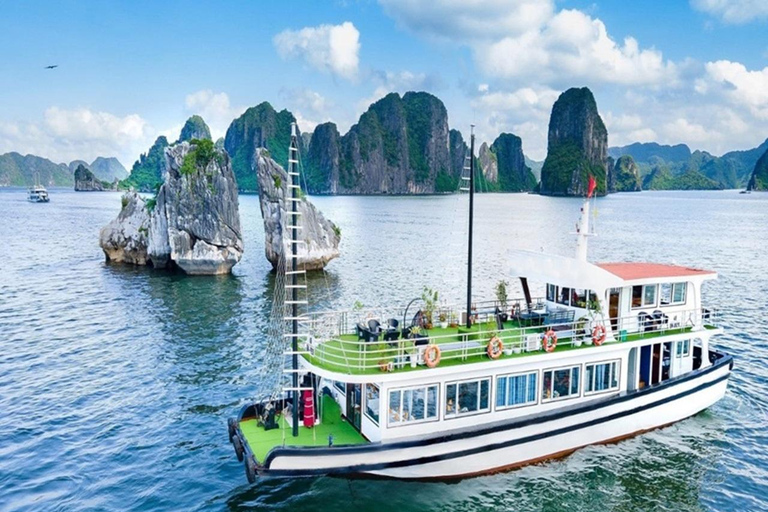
(51, 67)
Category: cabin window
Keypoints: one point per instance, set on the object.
(683, 349)
(644, 296)
(340, 386)
(560, 383)
(516, 390)
(412, 405)
(670, 294)
(579, 298)
(551, 292)
(601, 377)
(372, 402)
(564, 296)
(467, 397)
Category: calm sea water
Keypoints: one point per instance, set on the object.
(116, 382)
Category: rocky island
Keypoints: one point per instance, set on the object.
(193, 222)
(321, 236)
(86, 181)
(759, 178)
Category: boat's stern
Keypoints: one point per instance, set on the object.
(243, 451)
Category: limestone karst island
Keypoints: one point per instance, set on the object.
(383, 255)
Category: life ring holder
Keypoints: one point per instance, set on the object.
(598, 334)
(549, 341)
(432, 355)
(495, 347)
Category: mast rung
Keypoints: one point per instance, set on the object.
(290, 370)
(297, 242)
(291, 272)
(464, 189)
(294, 186)
(296, 353)
(292, 335)
(298, 286)
(292, 161)
(466, 178)
(292, 173)
(296, 302)
(293, 200)
(293, 213)
(291, 318)
(293, 227)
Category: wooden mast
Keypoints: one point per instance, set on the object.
(471, 213)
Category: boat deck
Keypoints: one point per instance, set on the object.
(262, 441)
(345, 354)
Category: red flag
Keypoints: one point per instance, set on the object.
(591, 186)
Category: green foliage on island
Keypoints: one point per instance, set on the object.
(445, 182)
(259, 126)
(419, 107)
(625, 176)
(514, 174)
(759, 178)
(660, 178)
(147, 171)
(19, 171)
(198, 158)
(562, 163)
(195, 128)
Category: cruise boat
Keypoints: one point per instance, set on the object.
(37, 193)
(609, 351)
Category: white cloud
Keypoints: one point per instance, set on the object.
(733, 11)
(65, 135)
(309, 107)
(214, 108)
(625, 129)
(739, 85)
(329, 48)
(573, 46)
(400, 82)
(469, 20)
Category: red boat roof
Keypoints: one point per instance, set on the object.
(633, 271)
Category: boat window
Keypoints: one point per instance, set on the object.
(564, 296)
(678, 293)
(340, 386)
(551, 292)
(601, 377)
(683, 348)
(578, 298)
(516, 390)
(372, 402)
(411, 405)
(560, 383)
(643, 295)
(467, 397)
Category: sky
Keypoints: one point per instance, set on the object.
(673, 71)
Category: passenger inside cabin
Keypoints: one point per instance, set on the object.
(449, 407)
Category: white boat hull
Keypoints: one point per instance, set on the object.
(501, 446)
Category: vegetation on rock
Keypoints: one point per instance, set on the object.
(147, 171)
(759, 178)
(625, 176)
(195, 128)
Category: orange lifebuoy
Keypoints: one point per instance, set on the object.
(432, 355)
(598, 335)
(549, 342)
(495, 347)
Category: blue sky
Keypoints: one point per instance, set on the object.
(693, 72)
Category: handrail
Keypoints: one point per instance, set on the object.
(349, 355)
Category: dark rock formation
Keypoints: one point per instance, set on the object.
(85, 181)
(625, 176)
(400, 145)
(147, 172)
(320, 235)
(259, 127)
(195, 128)
(577, 146)
(192, 223)
(513, 174)
(759, 178)
(322, 161)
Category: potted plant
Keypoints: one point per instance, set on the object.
(429, 296)
(384, 363)
(454, 322)
(501, 297)
(443, 320)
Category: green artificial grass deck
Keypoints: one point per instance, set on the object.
(347, 355)
(262, 441)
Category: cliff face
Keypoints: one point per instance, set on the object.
(193, 222)
(85, 181)
(759, 178)
(400, 145)
(577, 146)
(625, 176)
(259, 127)
(488, 163)
(195, 128)
(321, 236)
(513, 174)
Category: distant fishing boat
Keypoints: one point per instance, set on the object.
(609, 351)
(37, 193)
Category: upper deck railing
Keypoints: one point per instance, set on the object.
(336, 344)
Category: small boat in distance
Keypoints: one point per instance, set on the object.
(603, 352)
(37, 193)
